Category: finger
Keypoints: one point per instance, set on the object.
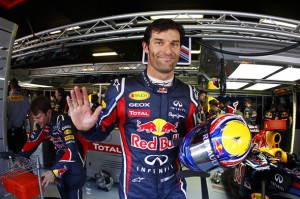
(43, 182)
(85, 96)
(74, 98)
(78, 96)
(70, 104)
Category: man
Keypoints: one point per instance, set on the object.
(17, 111)
(60, 101)
(68, 170)
(248, 111)
(214, 109)
(151, 110)
(201, 114)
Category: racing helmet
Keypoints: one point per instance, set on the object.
(224, 142)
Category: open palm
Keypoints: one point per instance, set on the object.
(80, 111)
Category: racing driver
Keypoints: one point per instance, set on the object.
(151, 109)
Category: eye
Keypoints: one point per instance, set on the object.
(175, 44)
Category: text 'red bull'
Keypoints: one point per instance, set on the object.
(161, 142)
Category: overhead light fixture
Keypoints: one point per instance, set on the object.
(235, 85)
(195, 51)
(29, 85)
(253, 71)
(73, 28)
(278, 23)
(176, 17)
(55, 32)
(1, 78)
(279, 59)
(261, 86)
(104, 54)
(288, 74)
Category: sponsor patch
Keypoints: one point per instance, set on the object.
(67, 132)
(69, 137)
(145, 113)
(139, 95)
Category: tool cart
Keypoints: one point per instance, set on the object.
(17, 177)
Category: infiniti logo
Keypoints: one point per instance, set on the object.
(177, 103)
(278, 178)
(152, 159)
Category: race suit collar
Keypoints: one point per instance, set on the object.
(157, 88)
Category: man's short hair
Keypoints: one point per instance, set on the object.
(213, 102)
(13, 83)
(202, 91)
(161, 25)
(40, 104)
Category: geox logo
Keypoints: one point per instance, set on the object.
(139, 95)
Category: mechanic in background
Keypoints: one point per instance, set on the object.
(60, 100)
(69, 167)
(18, 108)
(151, 109)
(201, 113)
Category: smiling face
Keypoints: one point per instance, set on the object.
(163, 53)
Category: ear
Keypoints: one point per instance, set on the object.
(49, 112)
(145, 47)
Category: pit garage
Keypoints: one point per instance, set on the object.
(238, 56)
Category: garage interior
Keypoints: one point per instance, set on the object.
(58, 51)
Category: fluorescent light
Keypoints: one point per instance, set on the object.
(253, 71)
(88, 69)
(104, 54)
(34, 85)
(55, 32)
(261, 86)
(277, 58)
(1, 78)
(195, 51)
(235, 85)
(127, 67)
(289, 74)
(278, 23)
(176, 17)
(73, 28)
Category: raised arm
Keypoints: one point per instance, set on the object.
(80, 111)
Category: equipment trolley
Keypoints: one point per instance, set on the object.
(17, 177)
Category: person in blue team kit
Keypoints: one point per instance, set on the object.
(151, 109)
(69, 167)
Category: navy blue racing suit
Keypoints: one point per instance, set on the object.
(149, 118)
(69, 167)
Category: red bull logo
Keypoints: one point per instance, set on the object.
(162, 142)
(158, 127)
(219, 147)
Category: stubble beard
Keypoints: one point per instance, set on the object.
(164, 67)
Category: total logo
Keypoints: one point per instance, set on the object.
(157, 127)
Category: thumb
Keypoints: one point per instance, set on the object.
(97, 112)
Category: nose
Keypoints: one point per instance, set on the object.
(168, 48)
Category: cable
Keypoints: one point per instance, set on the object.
(222, 74)
(249, 54)
(222, 78)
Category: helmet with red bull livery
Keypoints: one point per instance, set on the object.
(224, 142)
